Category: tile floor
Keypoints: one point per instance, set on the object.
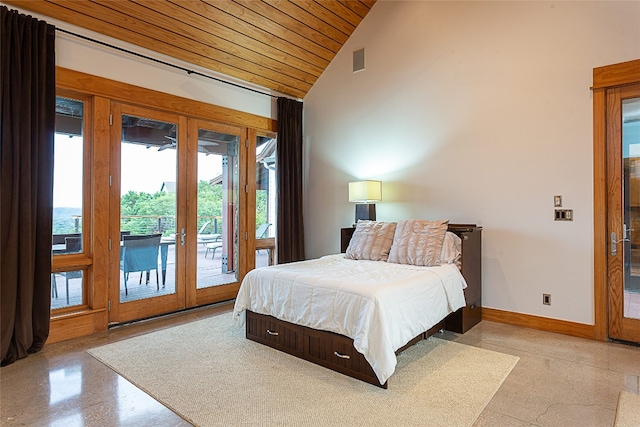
(559, 380)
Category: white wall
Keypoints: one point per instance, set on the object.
(477, 112)
(91, 58)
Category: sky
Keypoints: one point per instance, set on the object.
(142, 169)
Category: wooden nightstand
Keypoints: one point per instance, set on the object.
(345, 238)
(467, 317)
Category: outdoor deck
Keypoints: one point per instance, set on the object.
(209, 274)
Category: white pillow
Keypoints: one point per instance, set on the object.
(451, 248)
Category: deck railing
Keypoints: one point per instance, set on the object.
(148, 224)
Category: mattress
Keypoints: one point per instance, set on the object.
(381, 306)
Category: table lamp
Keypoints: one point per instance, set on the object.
(363, 193)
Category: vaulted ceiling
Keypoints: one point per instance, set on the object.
(280, 45)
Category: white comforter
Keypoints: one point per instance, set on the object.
(380, 305)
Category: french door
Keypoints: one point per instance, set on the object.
(623, 212)
(216, 211)
(145, 213)
(176, 212)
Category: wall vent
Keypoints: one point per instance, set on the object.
(358, 60)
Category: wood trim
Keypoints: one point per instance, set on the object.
(574, 329)
(217, 293)
(191, 220)
(100, 172)
(181, 209)
(134, 95)
(74, 325)
(113, 218)
(599, 215)
(620, 74)
(614, 206)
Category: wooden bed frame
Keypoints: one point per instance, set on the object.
(337, 352)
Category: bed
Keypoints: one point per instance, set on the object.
(355, 315)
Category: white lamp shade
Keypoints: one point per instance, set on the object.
(365, 191)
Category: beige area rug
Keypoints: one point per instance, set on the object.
(628, 411)
(210, 375)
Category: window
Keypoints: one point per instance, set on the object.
(67, 284)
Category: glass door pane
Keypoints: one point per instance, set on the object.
(148, 177)
(265, 200)
(217, 208)
(631, 205)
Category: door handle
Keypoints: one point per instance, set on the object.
(615, 241)
(182, 236)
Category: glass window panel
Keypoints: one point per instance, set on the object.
(68, 174)
(66, 289)
(631, 207)
(148, 163)
(217, 253)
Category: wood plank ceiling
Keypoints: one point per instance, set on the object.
(277, 44)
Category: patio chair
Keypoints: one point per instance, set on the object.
(207, 238)
(204, 227)
(261, 231)
(72, 244)
(212, 246)
(139, 253)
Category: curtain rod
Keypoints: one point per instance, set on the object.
(188, 71)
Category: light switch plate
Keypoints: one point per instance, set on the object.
(563, 215)
(557, 201)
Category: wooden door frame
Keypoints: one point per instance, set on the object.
(604, 78)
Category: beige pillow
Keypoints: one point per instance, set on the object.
(371, 240)
(418, 242)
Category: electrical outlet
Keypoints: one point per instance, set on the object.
(546, 299)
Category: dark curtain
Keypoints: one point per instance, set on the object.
(290, 226)
(28, 101)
